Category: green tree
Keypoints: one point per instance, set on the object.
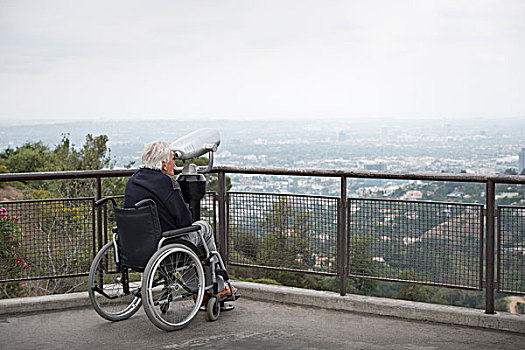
(361, 263)
(35, 156)
(65, 155)
(510, 171)
(287, 238)
(411, 291)
(95, 153)
(30, 157)
(245, 243)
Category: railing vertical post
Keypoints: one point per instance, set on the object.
(215, 227)
(489, 252)
(100, 242)
(221, 184)
(341, 242)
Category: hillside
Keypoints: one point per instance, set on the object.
(10, 193)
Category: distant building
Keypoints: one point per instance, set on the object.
(376, 166)
(446, 129)
(342, 136)
(521, 165)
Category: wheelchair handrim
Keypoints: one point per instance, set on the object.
(200, 272)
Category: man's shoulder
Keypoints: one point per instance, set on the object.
(155, 178)
(175, 185)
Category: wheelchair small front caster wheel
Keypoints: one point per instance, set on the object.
(213, 309)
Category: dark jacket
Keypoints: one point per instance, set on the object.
(165, 192)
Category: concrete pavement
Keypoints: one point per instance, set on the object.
(252, 325)
(306, 297)
(288, 318)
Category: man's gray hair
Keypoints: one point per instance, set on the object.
(154, 154)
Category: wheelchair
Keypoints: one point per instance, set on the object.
(172, 277)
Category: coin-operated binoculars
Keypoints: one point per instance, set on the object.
(191, 180)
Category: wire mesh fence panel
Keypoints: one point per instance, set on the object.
(426, 242)
(108, 221)
(46, 238)
(67, 188)
(511, 249)
(209, 208)
(208, 213)
(289, 232)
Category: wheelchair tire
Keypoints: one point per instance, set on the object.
(105, 290)
(213, 309)
(173, 287)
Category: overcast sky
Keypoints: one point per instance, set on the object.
(81, 60)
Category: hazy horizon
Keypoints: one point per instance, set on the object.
(357, 120)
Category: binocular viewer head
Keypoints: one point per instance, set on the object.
(196, 144)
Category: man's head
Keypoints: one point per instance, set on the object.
(157, 155)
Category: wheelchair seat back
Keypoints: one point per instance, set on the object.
(139, 233)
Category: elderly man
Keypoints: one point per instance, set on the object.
(154, 180)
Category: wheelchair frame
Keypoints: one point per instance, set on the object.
(172, 286)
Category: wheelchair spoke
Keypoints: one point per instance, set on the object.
(173, 286)
(106, 292)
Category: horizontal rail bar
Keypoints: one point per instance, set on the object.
(45, 277)
(511, 292)
(48, 200)
(518, 179)
(60, 175)
(272, 268)
(397, 280)
(415, 201)
(423, 176)
(283, 195)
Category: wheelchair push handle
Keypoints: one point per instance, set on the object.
(104, 200)
(145, 202)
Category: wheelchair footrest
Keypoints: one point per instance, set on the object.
(230, 297)
(227, 307)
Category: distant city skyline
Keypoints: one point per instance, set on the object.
(232, 59)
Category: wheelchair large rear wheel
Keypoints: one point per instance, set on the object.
(173, 287)
(105, 288)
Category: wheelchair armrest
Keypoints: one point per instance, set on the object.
(180, 231)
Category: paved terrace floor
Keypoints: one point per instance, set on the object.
(254, 324)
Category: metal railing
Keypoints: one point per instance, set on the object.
(277, 231)
(432, 243)
(52, 238)
(424, 242)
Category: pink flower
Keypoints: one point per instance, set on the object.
(13, 239)
(25, 264)
(2, 210)
(5, 217)
(19, 244)
(11, 246)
